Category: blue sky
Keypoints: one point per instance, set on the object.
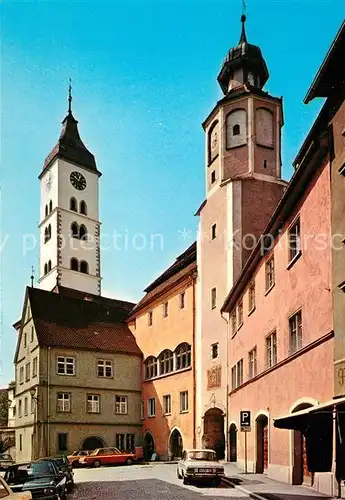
(144, 78)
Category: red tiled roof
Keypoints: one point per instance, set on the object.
(62, 320)
(184, 266)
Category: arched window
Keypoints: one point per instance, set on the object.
(83, 232)
(50, 206)
(84, 267)
(236, 128)
(49, 265)
(183, 356)
(213, 141)
(74, 230)
(46, 234)
(45, 268)
(150, 367)
(166, 362)
(46, 212)
(73, 205)
(83, 207)
(74, 264)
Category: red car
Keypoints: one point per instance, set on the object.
(107, 456)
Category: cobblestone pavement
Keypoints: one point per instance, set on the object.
(151, 482)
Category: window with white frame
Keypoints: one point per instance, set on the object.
(251, 296)
(151, 407)
(166, 362)
(21, 375)
(240, 313)
(269, 268)
(183, 401)
(33, 402)
(27, 372)
(93, 405)
(295, 330)
(167, 404)
(183, 356)
(233, 378)
(34, 367)
(20, 408)
(25, 406)
(150, 367)
(233, 322)
(121, 405)
(253, 368)
(271, 349)
(63, 402)
(294, 240)
(65, 365)
(239, 372)
(104, 368)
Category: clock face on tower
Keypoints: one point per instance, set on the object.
(78, 180)
(49, 181)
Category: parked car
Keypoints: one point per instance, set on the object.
(42, 478)
(6, 492)
(76, 455)
(5, 461)
(107, 456)
(65, 468)
(199, 465)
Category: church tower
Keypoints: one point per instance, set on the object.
(69, 214)
(243, 188)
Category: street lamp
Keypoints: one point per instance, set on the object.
(33, 394)
(34, 397)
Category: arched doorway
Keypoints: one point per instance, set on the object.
(300, 473)
(213, 437)
(233, 442)
(149, 446)
(261, 444)
(175, 445)
(93, 442)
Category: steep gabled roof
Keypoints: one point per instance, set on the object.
(185, 265)
(68, 321)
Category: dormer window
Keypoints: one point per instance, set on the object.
(236, 130)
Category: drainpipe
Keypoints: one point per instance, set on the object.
(194, 364)
(48, 404)
(227, 389)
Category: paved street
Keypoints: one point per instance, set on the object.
(141, 482)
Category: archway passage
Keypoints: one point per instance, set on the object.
(214, 438)
(149, 446)
(300, 472)
(175, 445)
(93, 442)
(233, 442)
(261, 444)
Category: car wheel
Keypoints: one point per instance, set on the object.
(129, 461)
(97, 463)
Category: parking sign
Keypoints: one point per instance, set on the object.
(245, 421)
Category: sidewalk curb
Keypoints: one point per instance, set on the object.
(256, 496)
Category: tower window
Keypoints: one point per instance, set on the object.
(265, 163)
(49, 266)
(213, 177)
(74, 265)
(74, 230)
(46, 212)
(236, 130)
(50, 206)
(84, 267)
(47, 233)
(45, 268)
(83, 208)
(73, 204)
(83, 233)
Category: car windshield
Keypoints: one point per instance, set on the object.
(29, 471)
(209, 456)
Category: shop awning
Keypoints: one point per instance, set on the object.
(299, 419)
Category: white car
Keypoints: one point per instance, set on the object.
(199, 465)
(6, 492)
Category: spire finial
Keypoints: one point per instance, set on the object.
(70, 97)
(32, 277)
(243, 38)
